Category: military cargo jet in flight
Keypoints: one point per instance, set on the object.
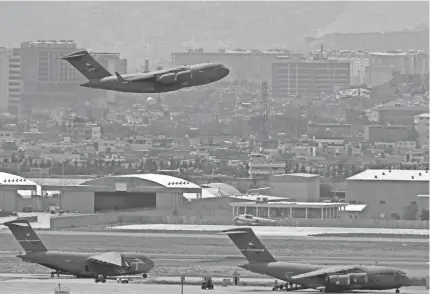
(82, 265)
(320, 277)
(160, 81)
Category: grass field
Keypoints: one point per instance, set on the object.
(206, 245)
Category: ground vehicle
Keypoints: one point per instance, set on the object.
(122, 280)
(207, 283)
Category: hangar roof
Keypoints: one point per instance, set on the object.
(59, 181)
(392, 175)
(10, 179)
(225, 188)
(163, 180)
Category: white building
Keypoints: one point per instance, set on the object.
(388, 193)
(421, 124)
(10, 81)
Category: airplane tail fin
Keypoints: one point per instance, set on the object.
(86, 65)
(26, 236)
(248, 243)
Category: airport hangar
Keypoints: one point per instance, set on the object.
(149, 191)
(387, 193)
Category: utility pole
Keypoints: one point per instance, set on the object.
(182, 283)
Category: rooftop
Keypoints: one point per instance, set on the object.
(355, 207)
(163, 180)
(392, 175)
(10, 179)
(284, 204)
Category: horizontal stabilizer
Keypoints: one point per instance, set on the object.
(120, 78)
(230, 232)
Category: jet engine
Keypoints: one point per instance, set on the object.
(167, 78)
(358, 278)
(184, 76)
(340, 280)
(138, 266)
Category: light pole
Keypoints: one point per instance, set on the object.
(182, 283)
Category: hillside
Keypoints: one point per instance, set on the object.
(141, 30)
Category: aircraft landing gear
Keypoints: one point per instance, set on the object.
(100, 278)
(397, 291)
(145, 276)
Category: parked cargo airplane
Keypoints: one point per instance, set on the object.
(248, 219)
(160, 81)
(81, 265)
(323, 278)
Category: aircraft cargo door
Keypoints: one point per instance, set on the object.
(123, 200)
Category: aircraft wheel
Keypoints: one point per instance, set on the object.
(397, 291)
(145, 276)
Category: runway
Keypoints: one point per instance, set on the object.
(215, 255)
(34, 286)
(214, 235)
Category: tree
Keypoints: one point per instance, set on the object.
(303, 169)
(410, 211)
(424, 214)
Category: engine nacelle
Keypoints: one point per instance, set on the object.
(167, 78)
(184, 76)
(138, 266)
(340, 280)
(358, 278)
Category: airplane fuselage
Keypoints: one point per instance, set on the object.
(200, 74)
(77, 264)
(378, 277)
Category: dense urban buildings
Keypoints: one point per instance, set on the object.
(285, 128)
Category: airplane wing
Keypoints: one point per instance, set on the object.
(329, 270)
(112, 258)
(152, 75)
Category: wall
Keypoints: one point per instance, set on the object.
(8, 200)
(397, 195)
(166, 217)
(299, 189)
(77, 201)
(169, 200)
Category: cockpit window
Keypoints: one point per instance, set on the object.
(219, 66)
(248, 216)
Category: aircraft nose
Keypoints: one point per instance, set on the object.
(224, 71)
(407, 281)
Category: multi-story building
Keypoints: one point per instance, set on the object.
(47, 80)
(308, 78)
(421, 124)
(380, 133)
(10, 81)
(250, 65)
(382, 65)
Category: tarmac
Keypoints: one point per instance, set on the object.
(274, 230)
(86, 286)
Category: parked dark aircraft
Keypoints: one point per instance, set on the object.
(82, 265)
(160, 81)
(323, 278)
